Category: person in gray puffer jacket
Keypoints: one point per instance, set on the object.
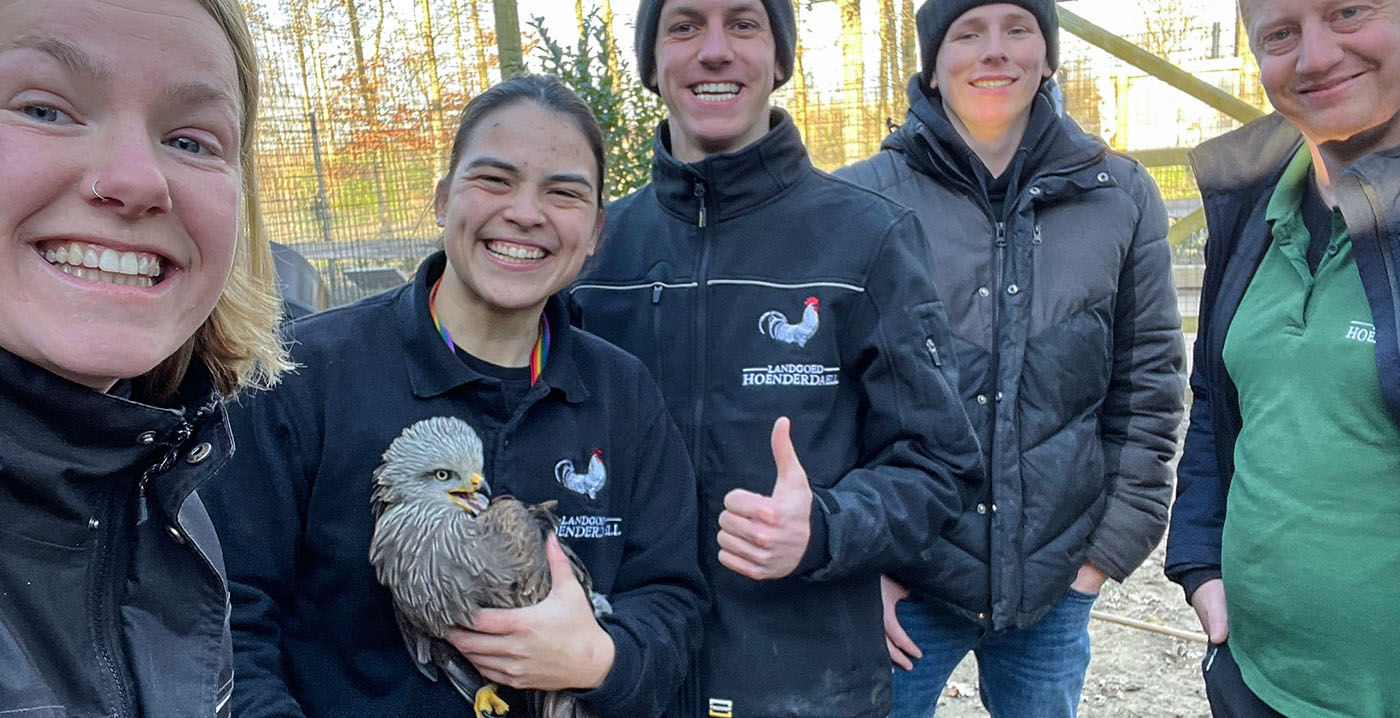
(1051, 254)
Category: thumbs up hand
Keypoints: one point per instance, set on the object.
(765, 537)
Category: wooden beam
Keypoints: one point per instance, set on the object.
(1186, 225)
(1162, 157)
(1158, 67)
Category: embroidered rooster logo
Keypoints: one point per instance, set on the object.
(775, 325)
(590, 483)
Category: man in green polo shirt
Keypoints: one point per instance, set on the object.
(1286, 529)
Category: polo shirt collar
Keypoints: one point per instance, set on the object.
(433, 367)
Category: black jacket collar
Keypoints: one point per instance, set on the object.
(434, 369)
(734, 183)
(53, 429)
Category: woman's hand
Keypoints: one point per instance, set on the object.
(553, 645)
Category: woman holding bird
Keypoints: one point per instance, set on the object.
(556, 415)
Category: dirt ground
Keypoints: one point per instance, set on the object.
(1133, 673)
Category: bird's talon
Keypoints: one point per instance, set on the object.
(488, 703)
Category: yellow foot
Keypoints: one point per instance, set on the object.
(488, 703)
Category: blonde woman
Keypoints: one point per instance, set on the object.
(133, 299)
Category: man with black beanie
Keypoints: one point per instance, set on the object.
(791, 321)
(1052, 252)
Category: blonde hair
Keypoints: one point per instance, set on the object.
(239, 342)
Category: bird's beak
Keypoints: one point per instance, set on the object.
(469, 499)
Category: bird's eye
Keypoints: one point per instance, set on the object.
(442, 474)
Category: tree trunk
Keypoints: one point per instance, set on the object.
(580, 16)
(459, 48)
(434, 76)
(613, 71)
(799, 80)
(853, 59)
(508, 37)
(889, 61)
(483, 79)
(908, 45)
(369, 98)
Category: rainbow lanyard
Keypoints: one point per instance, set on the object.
(538, 356)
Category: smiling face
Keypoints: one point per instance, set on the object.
(139, 97)
(520, 211)
(1332, 67)
(716, 65)
(989, 67)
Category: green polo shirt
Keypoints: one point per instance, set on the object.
(1311, 546)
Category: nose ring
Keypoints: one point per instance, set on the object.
(97, 194)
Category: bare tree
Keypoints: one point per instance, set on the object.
(852, 86)
(1167, 26)
(483, 80)
(369, 97)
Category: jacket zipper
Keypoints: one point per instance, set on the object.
(702, 305)
(97, 608)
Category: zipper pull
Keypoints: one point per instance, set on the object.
(656, 293)
(143, 510)
(933, 351)
(700, 198)
(1001, 234)
(1035, 235)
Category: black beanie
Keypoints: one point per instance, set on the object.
(780, 19)
(934, 17)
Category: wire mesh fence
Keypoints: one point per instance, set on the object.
(361, 100)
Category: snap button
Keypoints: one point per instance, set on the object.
(175, 535)
(984, 291)
(981, 616)
(199, 453)
(994, 508)
(1035, 191)
(1013, 289)
(998, 397)
(146, 438)
(982, 399)
(93, 523)
(981, 508)
(1103, 177)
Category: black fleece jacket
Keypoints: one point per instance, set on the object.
(314, 632)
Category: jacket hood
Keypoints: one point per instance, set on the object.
(1053, 142)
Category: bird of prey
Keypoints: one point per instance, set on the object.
(444, 550)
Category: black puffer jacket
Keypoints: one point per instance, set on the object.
(754, 286)
(102, 613)
(1069, 352)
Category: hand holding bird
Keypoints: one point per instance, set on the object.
(555, 644)
(765, 537)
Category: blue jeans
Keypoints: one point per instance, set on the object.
(1032, 672)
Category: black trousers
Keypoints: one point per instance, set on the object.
(1225, 689)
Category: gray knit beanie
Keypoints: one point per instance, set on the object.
(780, 18)
(934, 17)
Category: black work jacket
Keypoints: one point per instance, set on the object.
(755, 286)
(1069, 351)
(1237, 173)
(103, 613)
